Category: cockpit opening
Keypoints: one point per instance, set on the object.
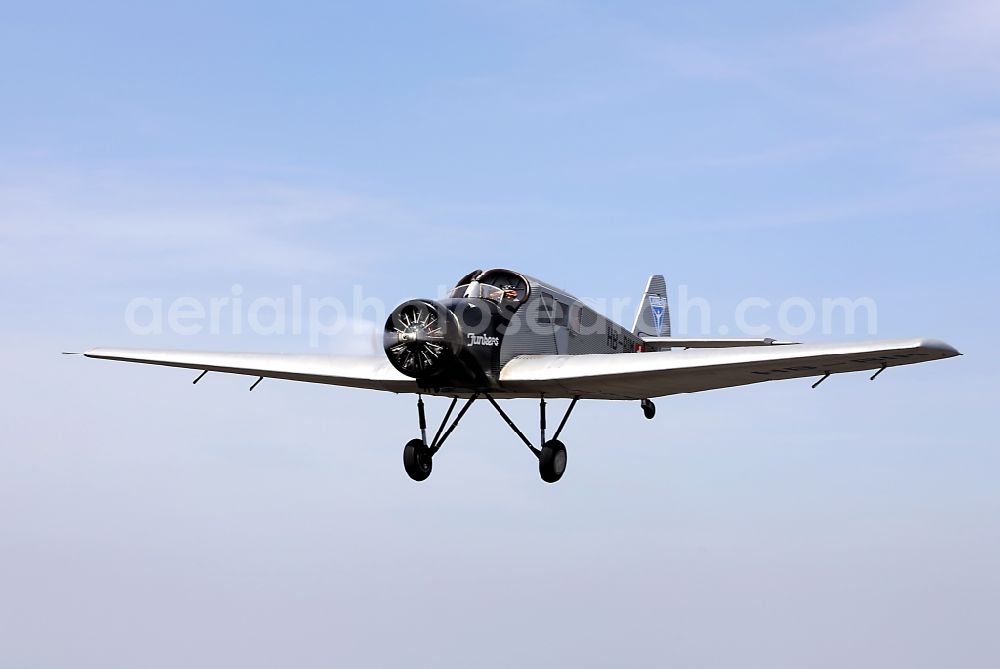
(498, 285)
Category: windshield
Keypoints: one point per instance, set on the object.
(458, 291)
(475, 289)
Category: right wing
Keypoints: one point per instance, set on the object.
(353, 372)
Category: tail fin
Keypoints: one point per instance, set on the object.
(653, 318)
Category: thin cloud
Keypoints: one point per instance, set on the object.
(968, 149)
(926, 38)
(57, 219)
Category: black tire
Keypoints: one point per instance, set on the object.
(648, 409)
(417, 460)
(552, 461)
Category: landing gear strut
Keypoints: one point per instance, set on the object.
(552, 455)
(418, 455)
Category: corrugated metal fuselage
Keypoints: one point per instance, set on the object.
(548, 321)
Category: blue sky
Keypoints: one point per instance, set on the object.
(776, 149)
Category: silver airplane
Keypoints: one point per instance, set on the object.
(500, 334)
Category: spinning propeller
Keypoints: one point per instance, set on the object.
(421, 338)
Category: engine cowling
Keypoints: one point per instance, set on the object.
(422, 338)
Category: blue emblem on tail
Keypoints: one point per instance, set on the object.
(659, 307)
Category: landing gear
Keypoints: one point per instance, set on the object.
(552, 461)
(418, 455)
(417, 459)
(648, 409)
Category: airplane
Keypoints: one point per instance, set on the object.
(500, 334)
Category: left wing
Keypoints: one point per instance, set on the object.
(354, 372)
(628, 376)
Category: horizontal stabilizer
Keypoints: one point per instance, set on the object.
(663, 343)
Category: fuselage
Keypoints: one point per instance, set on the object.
(463, 341)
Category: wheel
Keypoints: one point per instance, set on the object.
(417, 459)
(648, 409)
(552, 461)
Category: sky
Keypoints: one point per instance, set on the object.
(369, 153)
